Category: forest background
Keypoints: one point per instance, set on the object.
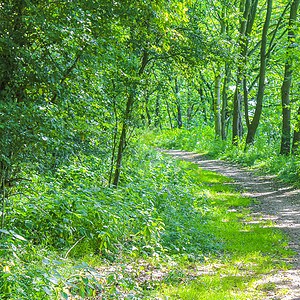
(88, 86)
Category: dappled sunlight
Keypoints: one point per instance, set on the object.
(275, 206)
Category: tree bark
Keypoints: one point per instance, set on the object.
(236, 122)
(217, 91)
(204, 104)
(189, 113)
(169, 115)
(225, 101)
(179, 114)
(217, 101)
(122, 140)
(296, 137)
(262, 74)
(287, 81)
(156, 119)
(147, 110)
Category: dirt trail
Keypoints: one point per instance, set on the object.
(278, 202)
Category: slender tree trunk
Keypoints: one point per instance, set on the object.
(122, 140)
(189, 113)
(236, 126)
(114, 143)
(236, 122)
(179, 114)
(125, 123)
(189, 116)
(156, 120)
(217, 90)
(224, 101)
(249, 9)
(296, 137)
(3, 205)
(204, 105)
(217, 101)
(262, 74)
(169, 115)
(147, 110)
(287, 81)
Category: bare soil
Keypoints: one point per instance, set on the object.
(276, 201)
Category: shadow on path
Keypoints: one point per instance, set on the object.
(277, 202)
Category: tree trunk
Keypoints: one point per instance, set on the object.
(189, 112)
(217, 101)
(122, 140)
(156, 120)
(217, 91)
(125, 123)
(262, 73)
(287, 81)
(296, 138)
(179, 114)
(236, 123)
(169, 115)
(147, 110)
(189, 115)
(204, 104)
(224, 101)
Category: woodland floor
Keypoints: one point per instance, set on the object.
(276, 201)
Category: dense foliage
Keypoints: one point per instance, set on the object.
(83, 82)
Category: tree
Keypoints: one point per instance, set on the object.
(287, 81)
(150, 35)
(246, 24)
(46, 51)
(296, 137)
(252, 126)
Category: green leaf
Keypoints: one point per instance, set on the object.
(64, 295)
(47, 291)
(82, 292)
(5, 231)
(19, 237)
(85, 280)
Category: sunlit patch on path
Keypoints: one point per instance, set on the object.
(276, 202)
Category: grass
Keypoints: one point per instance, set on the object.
(179, 233)
(248, 252)
(263, 155)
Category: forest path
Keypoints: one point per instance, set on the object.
(277, 202)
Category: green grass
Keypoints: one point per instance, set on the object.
(171, 231)
(248, 251)
(263, 156)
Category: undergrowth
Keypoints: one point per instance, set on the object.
(170, 230)
(263, 155)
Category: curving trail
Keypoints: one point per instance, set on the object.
(277, 202)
